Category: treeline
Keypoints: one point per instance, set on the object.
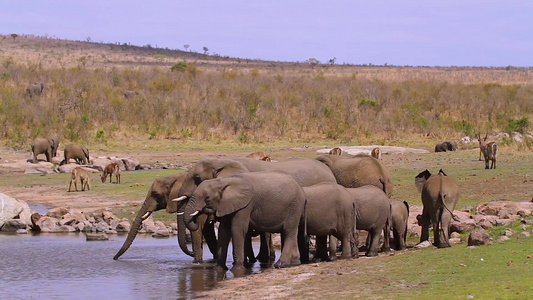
(80, 103)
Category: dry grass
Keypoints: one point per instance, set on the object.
(219, 98)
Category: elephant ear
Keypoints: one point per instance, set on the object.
(236, 195)
(228, 167)
(325, 160)
(421, 179)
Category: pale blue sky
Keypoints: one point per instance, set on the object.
(408, 32)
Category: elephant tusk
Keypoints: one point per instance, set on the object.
(180, 213)
(195, 213)
(146, 215)
(179, 199)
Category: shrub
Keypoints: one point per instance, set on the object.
(518, 125)
(179, 67)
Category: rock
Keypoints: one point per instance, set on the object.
(463, 225)
(130, 164)
(485, 224)
(479, 236)
(424, 244)
(22, 231)
(455, 240)
(485, 218)
(11, 208)
(526, 221)
(503, 238)
(57, 212)
(144, 167)
(47, 224)
(524, 235)
(67, 168)
(508, 232)
(522, 227)
(504, 222)
(511, 208)
(123, 226)
(174, 226)
(161, 234)
(108, 216)
(96, 237)
(454, 235)
(34, 218)
(13, 225)
(101, 226)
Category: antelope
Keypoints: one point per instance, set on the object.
(376, 153)
(110, 169)
(259, 155)
(335, 151)
(489, 150)
(80, 174)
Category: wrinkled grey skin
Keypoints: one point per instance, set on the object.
(47, 146)
(306, 172)
(372, 213)
(330, 210)
(446, 146)
(440, 194)
(399, 221)
(76, 152)
(35, 89)
(353, 172)
(160, 196)
(260, 201)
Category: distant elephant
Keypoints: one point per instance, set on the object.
(35, 89)
(330, 210)
(47, 145)
(160, 196)
(78, 153)
(399, 221)
(352, 172)
(260, 201)
(306, 172)
(440, 194)
(446, 146)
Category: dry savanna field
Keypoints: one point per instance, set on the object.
(170, 106)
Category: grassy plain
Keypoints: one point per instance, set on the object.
(223, 106)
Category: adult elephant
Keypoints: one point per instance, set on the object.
(76, 152)
(440, 194)
(261, 201)
(357, 171)
(47, 146)
(160, 196)
(305, 171)
(35, 89)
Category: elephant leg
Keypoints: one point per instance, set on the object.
(386, 237)
(239, 230)
(210, 237)
(346, 246)
(303, 245)
(265, 248)
(444, 230)
(249, 251)
(372, 248)
(332, 248)
(424, 223)
(289, 252)
(224, 236)
(321, 248)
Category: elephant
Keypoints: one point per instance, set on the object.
(399, 221)
(260, 201)
(305, 171)
(35, 89)
(352, 172)
(79, 153)
(47, 145)
(446, 146)
(440, 194)
(159, 196)
(330, 210)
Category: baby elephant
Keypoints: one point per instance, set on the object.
(111, 169)
(80, 174)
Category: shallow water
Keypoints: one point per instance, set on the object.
(66, 266)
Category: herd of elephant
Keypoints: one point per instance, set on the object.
(332, 195)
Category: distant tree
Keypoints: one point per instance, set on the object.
(313, 62)
(206, 50)
(88, 39)
(332, 61)
(14, 35)
(186, 46)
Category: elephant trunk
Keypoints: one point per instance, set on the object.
(191, 215)
(139, 218)
(181, 234)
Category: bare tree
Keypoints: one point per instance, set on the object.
(186, 46)
(206, 50)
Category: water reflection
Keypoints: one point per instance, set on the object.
(65, 266)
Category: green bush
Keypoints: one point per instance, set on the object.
(179, 67)
(518, 125)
